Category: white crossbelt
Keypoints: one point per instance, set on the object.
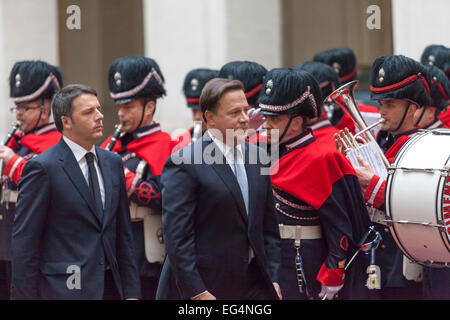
(300, 232)
(9, 196)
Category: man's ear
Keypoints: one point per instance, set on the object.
(66, 122)
(413, 108)
(297, 123)
(209, 116)
(150, 107)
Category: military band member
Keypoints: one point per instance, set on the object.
(328, 82)
(318, 201)
(436, 281)
(400, 85)
(136, 84)
(32, 86)
(343, 61)
(427, 117)
(193, 85)
(252, 75)
(439, 56)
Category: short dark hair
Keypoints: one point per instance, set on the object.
(62, 102)
(213, 91)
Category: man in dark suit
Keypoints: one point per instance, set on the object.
(72, 232)
(220, 229)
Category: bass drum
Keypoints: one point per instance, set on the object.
(418, 198)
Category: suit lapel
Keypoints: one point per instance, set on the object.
(73, 171)
(226, 174)
(107, 183)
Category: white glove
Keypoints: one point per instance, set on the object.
(329, 292)
(256, 118)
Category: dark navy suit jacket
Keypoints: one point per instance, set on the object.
(57, 231)
(207, 231)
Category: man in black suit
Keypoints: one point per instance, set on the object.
(72, 231)
(220, 230)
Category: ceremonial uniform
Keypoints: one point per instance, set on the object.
(393, 77)
(318, 200)
(144, 151)
(436, 282)
(193, 85)
(439, 93)
(151, 145)
(29, 81)
(343, 61)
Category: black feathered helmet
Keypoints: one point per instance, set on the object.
(251, 74)
(193, 85)
(439, 87)
(324, 74)
(438, 56)
(34, 80)
(342, 60)
(135, 77)
(399, 77)
(292, 92)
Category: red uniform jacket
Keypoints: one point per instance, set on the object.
(38, 141)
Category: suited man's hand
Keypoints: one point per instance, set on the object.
(204, 296)
(278, 290)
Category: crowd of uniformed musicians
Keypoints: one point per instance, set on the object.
(319, 201)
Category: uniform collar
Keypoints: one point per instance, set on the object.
(434, 125)
(320, 124)
(297, 142)
(146, 131)
(45, 128)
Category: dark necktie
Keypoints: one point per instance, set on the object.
(94, 185)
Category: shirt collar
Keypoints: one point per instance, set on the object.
(224, 148)
(78, 151)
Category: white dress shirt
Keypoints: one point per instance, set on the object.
(227, 151)
(80, 155)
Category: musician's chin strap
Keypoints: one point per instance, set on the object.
(144, 105)
(41, 109)
(286, 128)
(403, 118)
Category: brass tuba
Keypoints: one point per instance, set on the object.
(344, 97)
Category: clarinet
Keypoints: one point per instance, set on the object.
(5, 141)
(11, 132)
(115, 136)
